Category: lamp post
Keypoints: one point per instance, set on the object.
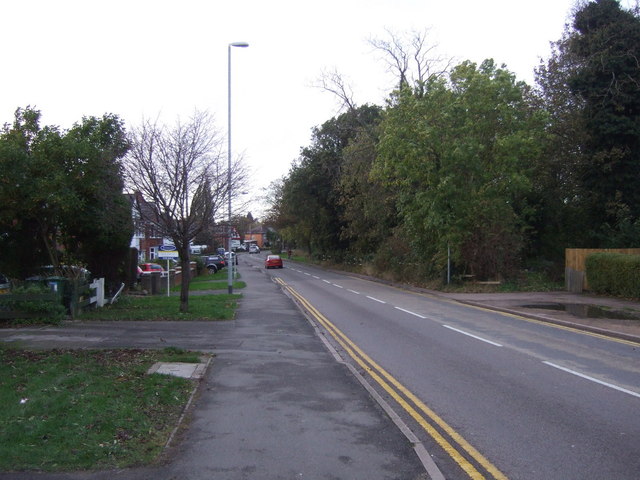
(230, 266)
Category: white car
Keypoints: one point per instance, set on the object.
(254, 249)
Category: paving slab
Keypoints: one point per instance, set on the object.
(194, 371)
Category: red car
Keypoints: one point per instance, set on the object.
(147, 268)
(273, 261)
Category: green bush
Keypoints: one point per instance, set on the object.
(614, 274)
(32, 304)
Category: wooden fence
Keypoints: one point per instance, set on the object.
(575, 270)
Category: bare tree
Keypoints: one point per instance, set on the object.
(182, 173)
(411, 58)
(408, 56)
(333, 82)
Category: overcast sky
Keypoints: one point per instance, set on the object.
(144, 58)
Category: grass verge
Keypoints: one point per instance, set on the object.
(217, 281)
(80, 409)
(160, 307)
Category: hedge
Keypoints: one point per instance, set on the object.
(615, 274)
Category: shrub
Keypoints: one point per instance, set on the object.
(32, 304)
(614, 274)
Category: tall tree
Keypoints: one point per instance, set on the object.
(182, 173)
(411, 58)
(62, 194)
(101, 230)
(560, 219)
(606, 44)
(311, 210)
(458, 153)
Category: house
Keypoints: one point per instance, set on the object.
(146, 237)
(221, 236)
(257, 234)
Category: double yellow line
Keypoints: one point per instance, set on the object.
(465, 455)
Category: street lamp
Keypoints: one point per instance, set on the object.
(230, 266)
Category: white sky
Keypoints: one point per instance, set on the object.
(144, 58)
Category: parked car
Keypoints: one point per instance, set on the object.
(254, 249)
(147, 268)
(273, 261)
(233, 255)
(5, 284)
(215, 263)
(67, 271)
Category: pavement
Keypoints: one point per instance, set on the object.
(275, 402)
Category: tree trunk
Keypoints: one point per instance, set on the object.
(185, 261)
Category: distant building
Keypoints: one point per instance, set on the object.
(256, 234)
(221, 236)
(146, 238)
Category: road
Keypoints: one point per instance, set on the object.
(490, 395)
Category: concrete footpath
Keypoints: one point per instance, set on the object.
(274, 403)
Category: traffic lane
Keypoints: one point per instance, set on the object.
(610, 361)
(515, 400)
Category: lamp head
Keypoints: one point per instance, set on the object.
(239, 44)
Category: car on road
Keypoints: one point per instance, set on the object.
(273, 261)
(215, 263)
(254, 249)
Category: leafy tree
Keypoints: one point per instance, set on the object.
(560, 219)
(311, 208)
(605, 43)
(101, 230)
(62, 194)
(459, 154)
(369, 212)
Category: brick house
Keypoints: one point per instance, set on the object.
(145, 238)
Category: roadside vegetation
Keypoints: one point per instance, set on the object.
(85, 409)
(465, 165)
(525, 281)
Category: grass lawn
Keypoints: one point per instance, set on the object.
(160, 307)
(217, 281)
(82, 409)
(69, 410)
(217, 306)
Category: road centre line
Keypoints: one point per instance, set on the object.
(411, 313)
(595, 380)
(353, 291)
(336, 285)
(403, 396)
(472, 336)
(327, 281)
(375, 299)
